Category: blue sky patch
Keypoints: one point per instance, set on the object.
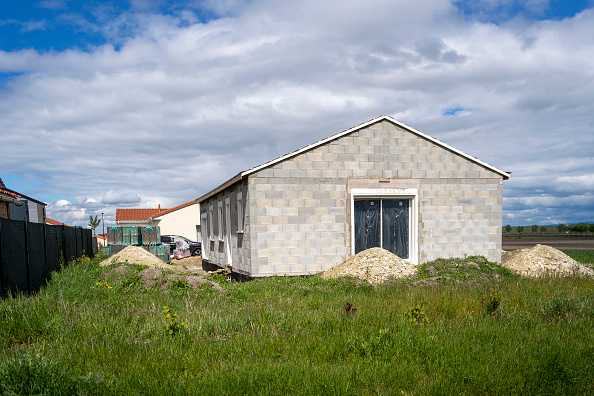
(497, 12)
(58, 25)
(453, 111)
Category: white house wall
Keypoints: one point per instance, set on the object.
(181, 222)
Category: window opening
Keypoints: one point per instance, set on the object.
(228, 230)
(210, 223)
(220, 221)
(239, 213)
(205, 236)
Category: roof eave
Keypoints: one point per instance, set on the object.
(222, 187)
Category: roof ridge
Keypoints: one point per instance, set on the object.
(178, 207)
(338, 135)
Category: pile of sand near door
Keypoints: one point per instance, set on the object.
(135, 255)
(375, 265)
(543, 260)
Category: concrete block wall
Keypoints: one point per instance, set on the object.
(299, 224)
(240, 241)
(300, 220)
(460, 217)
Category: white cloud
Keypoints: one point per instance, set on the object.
(171, 108)
(119, 198)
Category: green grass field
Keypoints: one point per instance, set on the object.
(475, 329)
(581, 256)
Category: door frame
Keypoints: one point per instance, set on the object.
(227, 236)
(412, 194)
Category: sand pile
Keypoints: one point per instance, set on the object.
(543, 260)
(373, 265)
(135, 255)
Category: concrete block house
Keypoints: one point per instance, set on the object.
(379, 184)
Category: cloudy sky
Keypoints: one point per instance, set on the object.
(107, 104)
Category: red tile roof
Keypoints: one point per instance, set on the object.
(136, 214)
(146, 214)
(53, 222)
(166, 211)
(9, 193)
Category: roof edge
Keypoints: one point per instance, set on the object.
(220, 188)
(174, 209)
(365, 124)
(275, 161)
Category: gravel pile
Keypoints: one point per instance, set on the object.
(135, 255)
(375, 265)
(542, 260)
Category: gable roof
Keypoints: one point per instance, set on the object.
(147, 214)
(439, 143)
(167, 211)
(136, 214)
(2, 183)
(7, 191)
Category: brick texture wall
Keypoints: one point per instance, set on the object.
(299, 218)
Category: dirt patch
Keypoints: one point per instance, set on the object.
(375, 265)
(192, 264)
(164, 279)
(543, 260)
(135, 255)
(184, 273)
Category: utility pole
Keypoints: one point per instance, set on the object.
(103, 224)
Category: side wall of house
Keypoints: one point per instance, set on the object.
(301, 208)
(181, 222)
(215, 237)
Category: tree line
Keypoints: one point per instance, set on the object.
(562, 228)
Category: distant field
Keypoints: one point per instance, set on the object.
(560, 242)
(550, 231)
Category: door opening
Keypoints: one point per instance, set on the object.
(382, 222)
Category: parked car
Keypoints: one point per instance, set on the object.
(195, 247)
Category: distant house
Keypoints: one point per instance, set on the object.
(17, 206)
(53, 222)
(183, 220)
(378, 184)
(5, 200)
(135, 217)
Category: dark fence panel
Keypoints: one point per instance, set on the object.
(78, 244)
(70, 243)
(53, 247)
(14, 256)
(36, 253)
(30, 251)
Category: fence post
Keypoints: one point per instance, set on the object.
(27, 256)
(64, 245)
(44, 247)
(1, 264)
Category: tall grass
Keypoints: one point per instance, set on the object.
(298, 336)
